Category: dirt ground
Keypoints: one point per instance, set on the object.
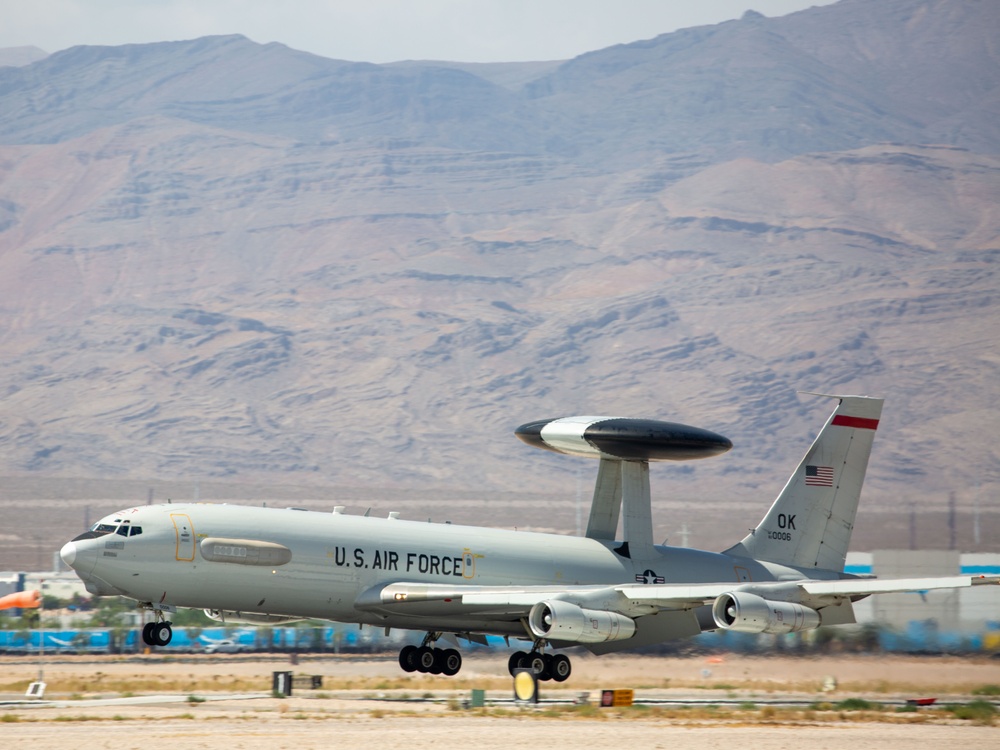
(100, 703)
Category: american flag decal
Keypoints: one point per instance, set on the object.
(819, 476)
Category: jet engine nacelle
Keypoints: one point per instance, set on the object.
(562, 621)
(749, 613)
(248, 618)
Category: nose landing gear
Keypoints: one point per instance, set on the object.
(157, 633)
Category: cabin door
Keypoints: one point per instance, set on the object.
(185, 536)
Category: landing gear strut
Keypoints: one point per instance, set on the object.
(424, 658)
(545, 666)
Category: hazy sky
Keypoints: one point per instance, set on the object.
(376, 30)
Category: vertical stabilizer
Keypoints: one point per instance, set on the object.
(810, 523)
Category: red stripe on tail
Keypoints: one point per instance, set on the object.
(860, 422)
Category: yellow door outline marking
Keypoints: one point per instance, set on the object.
(185, 535)
(469, 563)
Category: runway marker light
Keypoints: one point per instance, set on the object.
(525, 686)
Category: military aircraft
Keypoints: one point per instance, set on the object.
(264, 565)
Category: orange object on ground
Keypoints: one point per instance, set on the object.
(23, 599)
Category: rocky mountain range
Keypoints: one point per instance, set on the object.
(224, 262)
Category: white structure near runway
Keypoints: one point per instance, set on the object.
(971, 610)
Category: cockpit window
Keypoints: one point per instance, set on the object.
(122, 530)
(136, 530)
(98, 530)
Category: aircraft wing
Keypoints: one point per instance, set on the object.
(401, 596)
(637, 599)
(806, 591)
(865, 586)
(418, 598)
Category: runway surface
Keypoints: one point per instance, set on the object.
(766, 703)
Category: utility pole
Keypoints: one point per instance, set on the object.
(951, 520)
(37, 689)
(41, 632)
(685, 534)
(975, 519)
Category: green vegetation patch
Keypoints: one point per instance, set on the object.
(979, 712)
(857, 704)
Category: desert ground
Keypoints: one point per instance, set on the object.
(753, 701)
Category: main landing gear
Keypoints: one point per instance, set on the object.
(158, 632)
(447, 661)
(423, 658)
(545, 666)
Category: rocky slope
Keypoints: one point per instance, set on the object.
(228, 262)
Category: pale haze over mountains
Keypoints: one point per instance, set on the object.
(229, 262)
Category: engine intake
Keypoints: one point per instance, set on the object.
(562, 621)
(749, 613)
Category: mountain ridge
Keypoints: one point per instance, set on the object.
(713, 89)
(346, 275)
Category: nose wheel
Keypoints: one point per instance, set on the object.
(157, 633)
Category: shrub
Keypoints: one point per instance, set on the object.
(855, 704)
(979, 712)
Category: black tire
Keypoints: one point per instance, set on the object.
(162, 633)
(408, 658)
(535, 662)
(438, 666)
(147, 633)
(514, 662)
(425, 659)
(451, 662)
(546, 673)
(561, 668)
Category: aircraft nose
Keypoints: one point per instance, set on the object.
(68, 553)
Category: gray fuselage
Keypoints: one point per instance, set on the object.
(316, 565)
